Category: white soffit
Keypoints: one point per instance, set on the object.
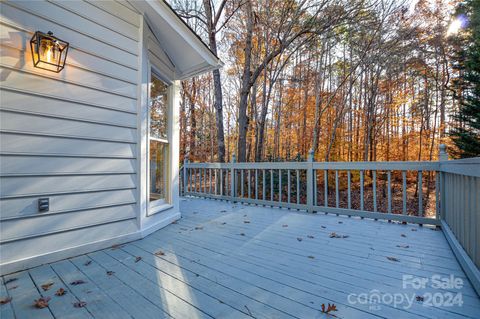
(184, 48)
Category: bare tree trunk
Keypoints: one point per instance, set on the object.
(216, 82)
(245, 90)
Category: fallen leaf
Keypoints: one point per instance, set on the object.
(299, 239)
(174, 222)
(183, 228)
(340, 222)
(335, 235)
(223, 211)
(41, 302)
(116, 247)
(224, 223)
(323, 227)
(310, 236)
(245, 215)
(109, 272)
(393, 259)
(403, 235)
(159, 253)
(13, 287)
(47, 286)
(77, 282)
(5, 300)
(198, 227)
(195, 212)
(242, 234)
(137, 259)
(285, 225)
(246, 222)
(414, 229)
(311, 257)
(329, 308)
(87, 263)
(419, 298)
(10, 280)
(60, 292)
(403, 246)
(80, 304)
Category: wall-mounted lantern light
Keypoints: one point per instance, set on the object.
(48, 52)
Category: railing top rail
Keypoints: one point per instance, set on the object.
(414, 166)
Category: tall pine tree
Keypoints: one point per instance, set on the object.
(466, 131)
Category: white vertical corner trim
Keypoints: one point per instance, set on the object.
(142, 114)
(174, 120)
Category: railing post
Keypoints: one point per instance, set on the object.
(185, 176)
(442, 156)
(310, 187)
(233, 190)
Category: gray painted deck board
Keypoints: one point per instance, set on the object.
(214, 265)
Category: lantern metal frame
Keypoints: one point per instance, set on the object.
(62, 47)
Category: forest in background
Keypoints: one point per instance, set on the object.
(353, 80)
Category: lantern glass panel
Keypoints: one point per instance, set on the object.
(48, 52)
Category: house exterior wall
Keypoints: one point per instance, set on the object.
(76, 137)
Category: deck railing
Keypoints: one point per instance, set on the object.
(442, 193)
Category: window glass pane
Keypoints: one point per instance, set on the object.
(158, 170)
(158, 108)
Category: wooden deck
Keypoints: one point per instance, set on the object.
(224, 260)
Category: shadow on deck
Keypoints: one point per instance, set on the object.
(225, 260)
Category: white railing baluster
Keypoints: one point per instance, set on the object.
(216, 182)
(242, 182)
(420, 194)
(256, 184)
(288, 185)
(349, 178)
(404, 192)
(374, 176)
(325, 188)
(248, 183)
(315, 191)
(221, 182)
(271, 185)
(298, 185)
(337, 196)
(263, 184)
(389, 191)
(279, 185)
(361, 190)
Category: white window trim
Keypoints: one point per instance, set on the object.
(159, 205)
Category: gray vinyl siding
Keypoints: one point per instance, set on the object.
(70, 136)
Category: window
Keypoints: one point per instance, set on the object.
(158, 142)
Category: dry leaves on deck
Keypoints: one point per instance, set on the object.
(198, 228)
(335, 235)
(246, 222)
(393, 259)
(77, 282)
(41, 302)
(60, 292)
(159, 253)
(403, 246)
(285, 225)
(299, 238)
(137, 259)
(403, 235)
(80, 304)
(87, 263)
(114, 247)
(5, 300)
(329, 308)
(311, 257)
(47, 286)
(419, 298)
(310, 236)
(242, 234)
(110, 273)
